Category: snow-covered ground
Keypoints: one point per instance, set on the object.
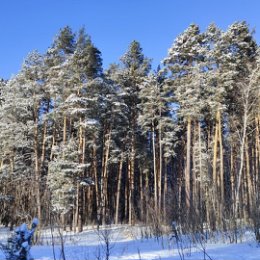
(128, 244)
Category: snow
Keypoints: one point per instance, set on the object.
(127, 243)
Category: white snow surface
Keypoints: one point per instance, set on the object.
(127, 243)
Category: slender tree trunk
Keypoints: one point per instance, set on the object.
(80, 205)
(160, 166)
(37, 169)
(201, 184)
(118, 191)
(53, 131)
(141, 190)
(131, 186)
(104, 190)
(232, 177)
(221, 172)
(155, 173)
(257, 153)
(1, 165)
(76, 210)
(53, 141)
(195, 198)
(249, 181)
(215, 154)
(131, 170)
(80, 209)
(165, 190)
(64, 130)
(43, 143)
(188, 166)
(147, 196)
(218, 187)
(97, 190)
(241, 157)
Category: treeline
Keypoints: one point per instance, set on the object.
(130, 145)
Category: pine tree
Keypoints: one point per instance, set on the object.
(134, 67)
(21, 110)
(159, 127)
(237, 55)
(65, 41)
(184, 64)
(64, 177)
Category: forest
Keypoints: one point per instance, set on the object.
(82, 145)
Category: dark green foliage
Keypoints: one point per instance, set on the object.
(65, 41)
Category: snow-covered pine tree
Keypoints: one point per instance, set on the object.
(21, 106)
(213, 107)
(64, 177)
(74, 68)
(116, 117)
(15, 151)
(184, 63)
(237, 59)
(159, 127)
(135, 66)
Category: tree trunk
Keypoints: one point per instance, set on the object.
(37, 170)
(141, 190)
(249, 181)
(188, 167)
(155, 173)
(218, 186)
(131, 169)
(96, 179)
(221, 172)
(43, 143)
(104, 189)
(76, 210)
(53, 141)
(64, 130)
(241, 157)
(201, 184)
(118, 191)
(165, 191)
(80, 205)
(257, 153)
(160, 166)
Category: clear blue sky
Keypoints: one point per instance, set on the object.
(27, 25)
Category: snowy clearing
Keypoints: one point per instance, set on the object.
(127, 243)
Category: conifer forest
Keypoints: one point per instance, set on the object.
(131, 144)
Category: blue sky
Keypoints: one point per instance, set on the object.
(27, 25)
